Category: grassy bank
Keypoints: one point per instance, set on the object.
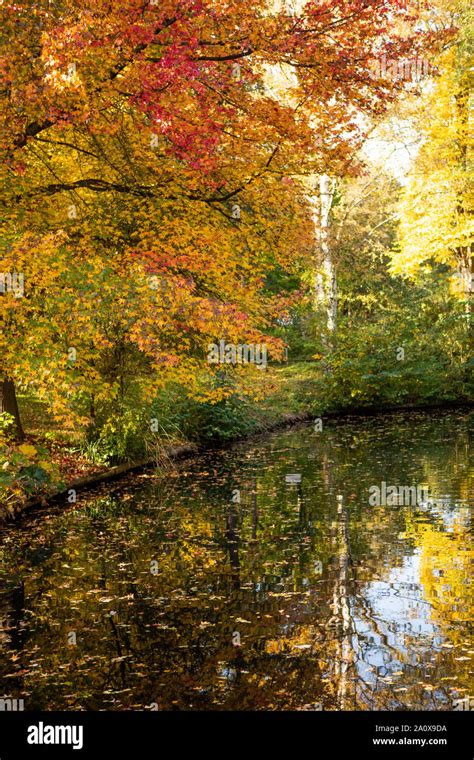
(55, 455)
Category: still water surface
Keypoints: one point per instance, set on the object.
(138, 597)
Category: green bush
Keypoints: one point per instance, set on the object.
(419, 359)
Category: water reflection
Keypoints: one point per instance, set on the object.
(224, 584)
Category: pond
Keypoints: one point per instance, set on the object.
(279, 574)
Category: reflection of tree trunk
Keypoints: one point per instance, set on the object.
(233, 545)
(118, 645)
(341, 607)
(301, 505)
(254, 510)
(18, 607)
(14, 601)
(326, 472)
(9, 404)
(12, 634)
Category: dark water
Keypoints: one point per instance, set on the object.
(137, 598)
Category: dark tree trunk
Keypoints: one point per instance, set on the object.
(9, 403)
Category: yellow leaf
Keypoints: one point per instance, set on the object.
(27, 449)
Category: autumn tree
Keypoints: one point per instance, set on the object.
(437, 206)
(149, 132)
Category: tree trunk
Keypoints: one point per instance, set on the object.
(464, 254)
(325, 282)
(466, 276)
(327, 187)
(9, 404)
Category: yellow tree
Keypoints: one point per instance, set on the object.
(436, 212)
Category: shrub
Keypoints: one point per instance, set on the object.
(25, 472)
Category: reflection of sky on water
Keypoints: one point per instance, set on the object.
(451, 512)
(402, 616)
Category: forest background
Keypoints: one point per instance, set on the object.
(188, 173)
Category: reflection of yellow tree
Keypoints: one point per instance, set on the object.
(445, 570)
